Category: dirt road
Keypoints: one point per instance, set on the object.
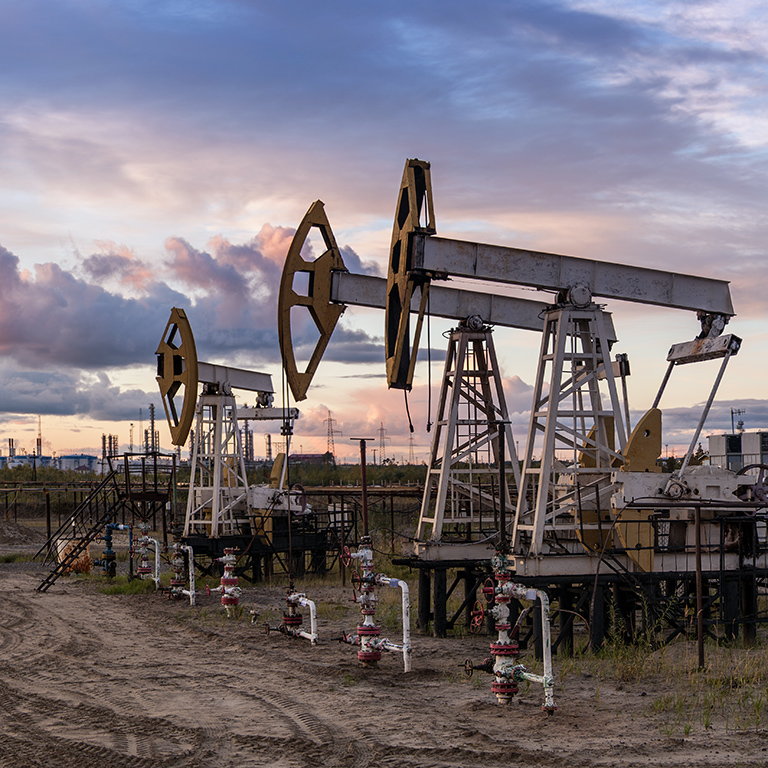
(89, 679)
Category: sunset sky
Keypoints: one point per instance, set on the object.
(159, 154)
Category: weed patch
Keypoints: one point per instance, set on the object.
(121, 585)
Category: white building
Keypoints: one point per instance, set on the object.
(734, 451)
(81, 462)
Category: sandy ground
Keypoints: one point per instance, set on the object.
(89, 679)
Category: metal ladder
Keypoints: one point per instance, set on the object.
(103, 503)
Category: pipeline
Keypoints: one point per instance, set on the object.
(367, 636)
(292, 617)
(507, 674)
(230, 591)
(178, 580)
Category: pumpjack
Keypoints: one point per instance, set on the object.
(596, 521)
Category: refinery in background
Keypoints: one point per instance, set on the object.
(729, 450)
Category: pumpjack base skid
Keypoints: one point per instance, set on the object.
(257, 558)
(613, 599)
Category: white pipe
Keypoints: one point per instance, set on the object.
(307, 603)
(546, 644)
(191, 591)
(406, 602)
(547, 680)
(156, 577)
(405, 648)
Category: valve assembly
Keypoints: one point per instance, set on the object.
(292, 617)
(142, 548)
(180, 565)
(367, 636)
(499, 592)
(230, 591)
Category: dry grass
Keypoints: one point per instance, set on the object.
(730, 694)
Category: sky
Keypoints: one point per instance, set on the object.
(159, 154)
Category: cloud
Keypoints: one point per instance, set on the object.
(368, 407)
(117, 264)
(61, 326)
(630, 132)
(679, 423)
(355, 264)
(351, 345)
(67, 393)
(52, 318)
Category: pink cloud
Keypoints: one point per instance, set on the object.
(121, 262)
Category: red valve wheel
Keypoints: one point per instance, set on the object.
(345, 557)
(489, 590)
(477, 616)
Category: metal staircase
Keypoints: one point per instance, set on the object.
(83, 526)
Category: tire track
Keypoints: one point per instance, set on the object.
(40, 721)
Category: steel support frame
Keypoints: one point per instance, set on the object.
(568, 413)
(666, 601)
(218, 486)
(471, 411)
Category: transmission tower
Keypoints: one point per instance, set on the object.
(410, 450)
(330, 445)
(383, 440)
